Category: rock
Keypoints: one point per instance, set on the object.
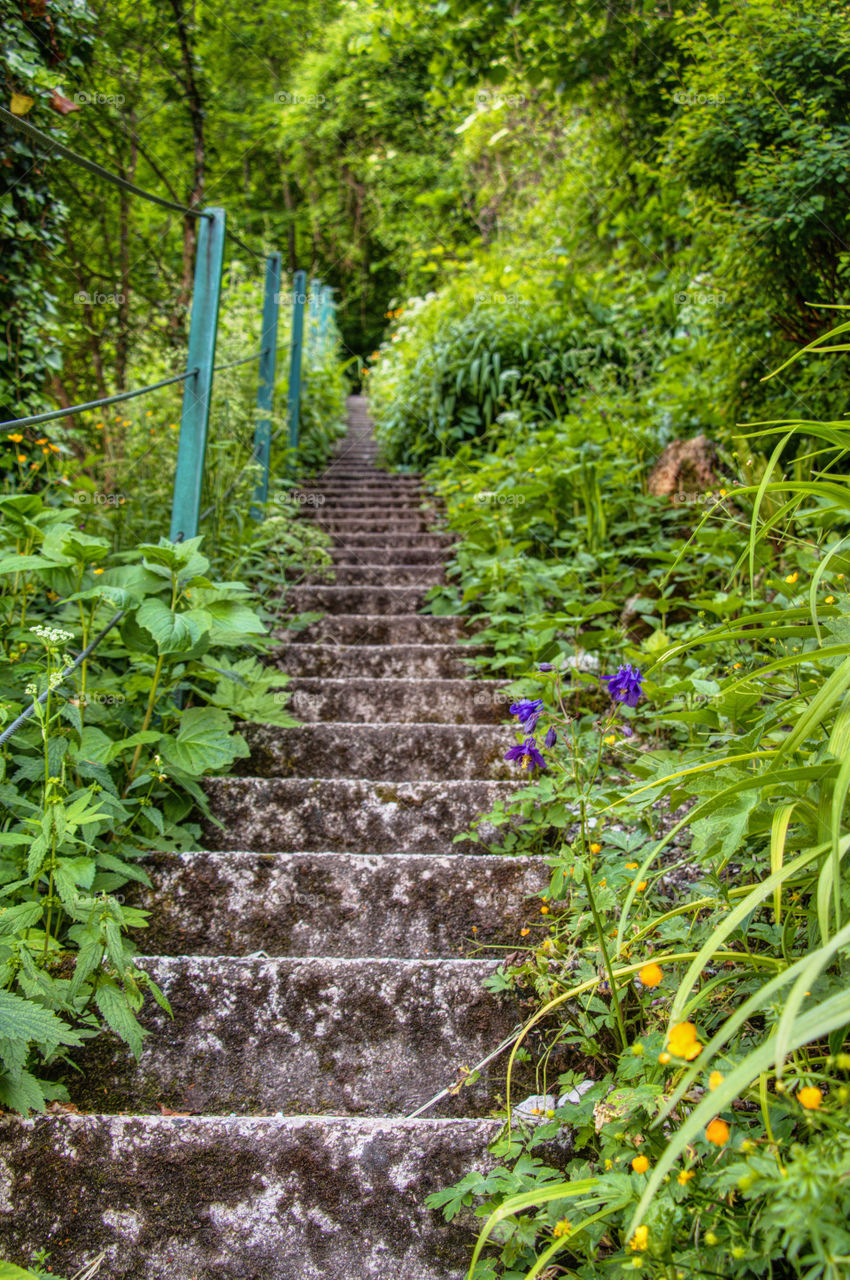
(685, 466)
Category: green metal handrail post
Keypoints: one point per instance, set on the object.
(265, 389)
(293, 406)
(195, 417)
(324, 315)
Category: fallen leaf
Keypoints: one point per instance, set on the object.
(62, 104)
(20, 104)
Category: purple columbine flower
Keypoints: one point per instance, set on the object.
(550, 739)
(626, 731)
(526, 752)
(545, 666)
(625, 686)
(527, 711)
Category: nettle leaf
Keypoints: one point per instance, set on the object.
(23, 1020)
(172, 632)
(115, 1007)
(204, 742)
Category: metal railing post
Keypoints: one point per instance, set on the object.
(194, 420)
(293, 405)
(265, 389)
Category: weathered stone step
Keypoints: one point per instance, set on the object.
(404, 540)
(369, 600)
(376, 482)
(238, 1198)
(386, 752)
(351, 815)
(375, 522)
(369, 700)
(367, 495)
(306, 1036)
(380, 661)
(359, 628)
(365, 574)
(383, 554)
(337, 904)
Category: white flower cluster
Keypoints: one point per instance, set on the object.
(52, 635)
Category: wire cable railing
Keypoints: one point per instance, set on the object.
(200, 369)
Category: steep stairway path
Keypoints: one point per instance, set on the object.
(316, 958)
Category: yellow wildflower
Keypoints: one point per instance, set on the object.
(792, 578)
(684, 1176)
(714, 1080)
(810, 1097)
(651, 975)
(683, 1042)
(640, 1164)
(640, 1239)
(717, 1132)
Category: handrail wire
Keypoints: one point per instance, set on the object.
(255, 253)
(63, 675)
(96, 404)
(38, 135)
(233, 364)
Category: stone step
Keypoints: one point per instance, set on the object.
(362, 600)
(345, 554)
(369, 700)
(377, 482)
(358, 572)
(428, 661)
(337, 904)
(367, 522)
(313, 1035)
(372, 494)
(351, 815)
(404, 541)
(238, 1198)
(353, 506)
(381, 752)
(359, 628)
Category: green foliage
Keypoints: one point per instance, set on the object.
(692, 949)
(31, 214)
(107, 768)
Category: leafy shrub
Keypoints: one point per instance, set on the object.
(107, 768)
(692, 948)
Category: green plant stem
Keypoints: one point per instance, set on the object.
(148, 713)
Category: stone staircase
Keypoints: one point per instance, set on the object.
(316, 956)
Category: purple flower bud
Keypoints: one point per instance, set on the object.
(527, 711)
(545, 666)
(626, 731)
(550, 739)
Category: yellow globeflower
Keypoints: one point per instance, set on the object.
(596, 848)
(683, 1042)
(792, 578)
(810, 1097)
(640, 1164)
(714, 1080)
(717, 1132)
(640, 1239)
(651, 975)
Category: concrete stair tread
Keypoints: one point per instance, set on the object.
(366, 1035)
(369, 698)
(430, 661)
(239, 1197)
(351, 815)
(358, 628)
(337, 904)
(388, 750)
